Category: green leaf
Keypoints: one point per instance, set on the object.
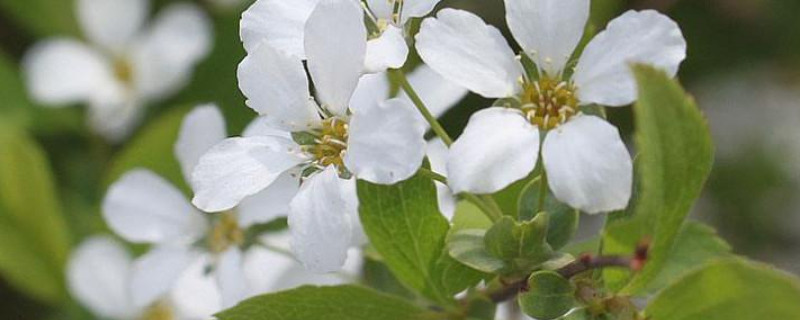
(329, 303)
(43, 17)
(404, 225)
(521, 245)
(508, 198)
(468, 247)
(730, 289)
(152, 148)
(695, 245)
(675, 158)
(549, 296)
(563, 219)
(15, 108)
(33, 236)
(469, 216)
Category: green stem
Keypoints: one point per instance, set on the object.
(542, 190)
(433, 175)
(491, 212)
(437, 128)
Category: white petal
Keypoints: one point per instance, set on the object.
(468, 52)
(548, 30)
(164, 58)
(154, 274)
(195, 295)
(115, 117)
(417, 8)
(97, 276)
(320, 221)
(588, 166)
(603, 74)
(202, 128)
(269, 271)
(143, 207)
(498, 146)
(438, 94)
(240, 167)
(265, 126)
(112, 23)
(230, 277)
(373, 88)
(276, 85)
(279, 23)
(336, 42)
(437, 155)
(386, 142)
(63, 71)
(387, 51)
(270, 203)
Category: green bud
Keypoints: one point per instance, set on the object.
(549, 296)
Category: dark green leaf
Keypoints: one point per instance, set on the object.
(43, 17)
(563, 219)
(404, 225)
(522, 245)
(329, 303)
(33, 236)
(675, 158)
(731, 289)
(549, 296)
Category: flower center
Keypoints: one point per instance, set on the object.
(548, 103)
(225, 233)
(158, 311)
(123, 70)
(329, 144)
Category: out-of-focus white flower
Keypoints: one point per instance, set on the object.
(124, 65)
(587, 163)
(141, 207)
(326, 143)
(281, 23)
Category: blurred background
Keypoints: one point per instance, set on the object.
(743, 67)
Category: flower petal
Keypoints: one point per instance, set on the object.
(373, 88)
(336, 43)
(64, 71)
(588, 166)
(115, 117)
(230, 278)
(320, 221)
(548, 30)
(387, 51)
(164, 58)
(279, 23)
(603, 74)
(438, 94)
(386, 142)
(195, 295)
(112, 23)
(143, 207)
(265, 126)
(270, 203)
(154, 274)
(417, 9)
(97, 276)
(276, 85)
(202, 128)
(240, 167)
(437, 155)
(468, 52)
(498, 146)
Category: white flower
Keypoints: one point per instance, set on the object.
(281, 23)
(587, 163)
(124, 66)
(336, 141)
(141, 207)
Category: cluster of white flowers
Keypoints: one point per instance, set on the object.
(302, 156)
(125, 64)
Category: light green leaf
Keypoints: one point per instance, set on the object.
(329, 303)
(730, 289)
(549, 296)
(563, 219)
(15, 108)
(675, 159)
(521, 243)
(695, 245)
(468, 247)
(469, 216)
(152, 148)
(43, 17)
(404, 225)
(34, 241)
